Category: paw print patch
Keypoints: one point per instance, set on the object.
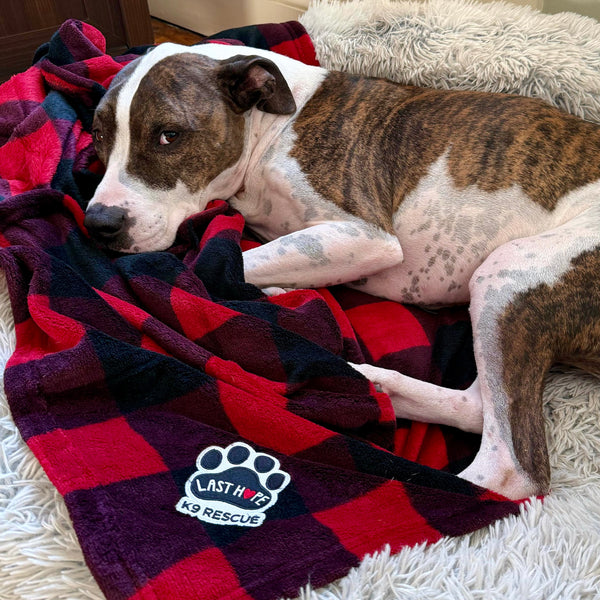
(233, 486)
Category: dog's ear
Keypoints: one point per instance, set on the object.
(255, 81)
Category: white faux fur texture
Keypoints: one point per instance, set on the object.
(551, 551)
(460, 44)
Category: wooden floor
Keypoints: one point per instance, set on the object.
(165, 32)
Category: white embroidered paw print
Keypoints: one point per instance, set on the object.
(233, 486)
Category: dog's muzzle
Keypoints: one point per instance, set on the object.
(105, 223)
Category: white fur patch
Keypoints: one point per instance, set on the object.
(446, 233)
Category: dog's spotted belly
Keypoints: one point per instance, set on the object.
(447, 232)
(435, 271)
(430, 275)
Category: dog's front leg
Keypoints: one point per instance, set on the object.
(324, 254)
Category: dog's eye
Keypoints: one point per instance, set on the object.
(167, 137)
(98, 136)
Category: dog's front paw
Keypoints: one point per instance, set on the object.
(275, 291)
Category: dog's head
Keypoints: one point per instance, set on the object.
(171, 132)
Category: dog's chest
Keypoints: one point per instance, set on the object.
(277, 198)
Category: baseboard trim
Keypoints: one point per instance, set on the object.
(208, 17)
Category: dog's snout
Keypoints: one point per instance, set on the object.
(104, 223)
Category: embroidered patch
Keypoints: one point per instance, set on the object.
(233, 486)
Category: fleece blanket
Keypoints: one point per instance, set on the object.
(209, 442)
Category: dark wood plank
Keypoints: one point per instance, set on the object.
(24, 16)
(167, 32)
(136, 19)
(26, 24)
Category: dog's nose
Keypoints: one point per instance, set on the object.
(104, 223)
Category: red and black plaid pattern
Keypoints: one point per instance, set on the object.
(128, 367)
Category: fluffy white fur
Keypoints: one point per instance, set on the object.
(459, 44)
(552, 550)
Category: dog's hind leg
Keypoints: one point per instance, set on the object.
(534, 302)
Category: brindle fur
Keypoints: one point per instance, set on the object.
(495, 141)
(179, 91)
(570, 313)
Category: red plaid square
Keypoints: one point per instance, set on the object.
(95, 455)
(207, 575)
(386, 510)
(386, 327)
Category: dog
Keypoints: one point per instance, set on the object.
(416, 195)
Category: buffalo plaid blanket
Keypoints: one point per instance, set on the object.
(209, 442)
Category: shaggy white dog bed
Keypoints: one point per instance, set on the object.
(552, 550)
(496, 47)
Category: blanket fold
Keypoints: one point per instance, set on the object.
(210, 442)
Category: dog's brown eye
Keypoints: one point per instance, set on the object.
(98, 136)
(167, 137)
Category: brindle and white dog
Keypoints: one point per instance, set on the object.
(416, 195)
